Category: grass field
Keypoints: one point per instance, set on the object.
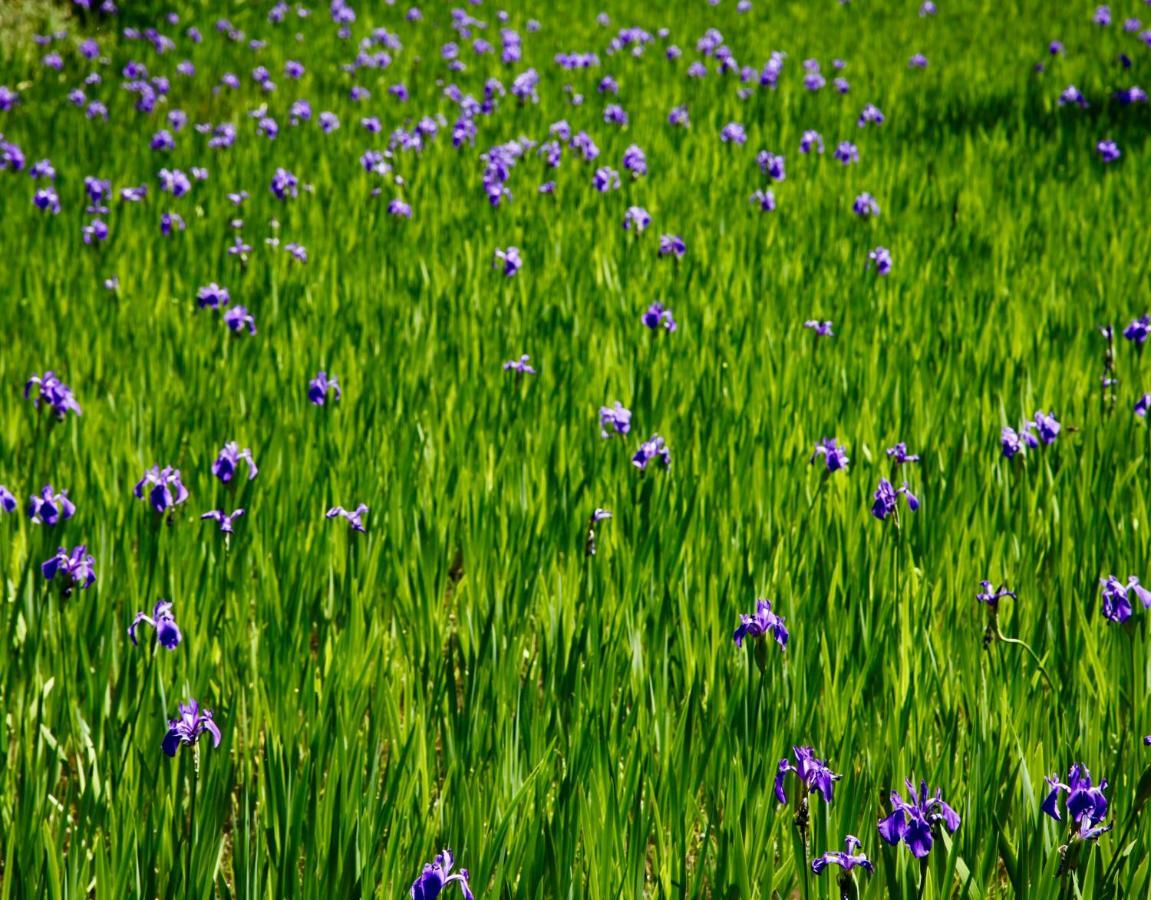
(462, 674)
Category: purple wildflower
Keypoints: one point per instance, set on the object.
(865, 206)
(50, 507)
(212, 296)
(354, 517)
(870, 115)
(813, 774)
(1085, 804)
(899, 454)
(165, 489)
(320, 387)
(771, 165)
(509, 260)
(79, 566)
(765, 200)
(237, 318)
(672, 245)
(187, 729)
(887, 497)
(833, 453)
(811, 140)
(284, 184)
(162, 621)
(657, 316)
(992, 595)
(916, 821)
(847, 153)
(880, 257)
(614, 420)
(53, 393)
(733, 133)
(847, 859)
(821, 329)
(227, 462)
(636, 219)
(437, 875)
(653, 448)
(224, 520)
(762, 622)
(8, 501)
(521, 366)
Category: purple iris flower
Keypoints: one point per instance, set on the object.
(228, 462)
(915, 821)
(163, 140)
(162, 620)
(320, 387)
(47, 200)
(399, 209)
(52, 392)
(679, 116)
(847, 859)
(771, 165)
(1013, 443)
(887, 497)
(165, 489)
(174, 182)
(78, 565)
(762, 622)
(1102, 16)
(992, 595)
(847, 153)
(653, 448)
(186, 729)
(521, 366)
(918, 61)
(437, 875)
(899, 454)
(635, 161)
(842, 86)
(657, 316)
(1085, 804)
(614, 420)
(1142, 405)
(1138, 331)
(509, 260)
(813, 774)
(811, 140)
(614, 114)
(1117, 597)
(871, 115)
(672, 245)
(170, 222)
(605, 179)
(765, 200)
(50, 507)
(355, 517)
(224, 520)
(95, 232)
(1108, 151)
(212, 296)
(834, 454)
(636, 219)
(733, 133)
(8, 501)
(821, 329)
(880, 257)
(1072, 94)
(284, 184)
(865, 206)
(237, 318)
(1046, 426)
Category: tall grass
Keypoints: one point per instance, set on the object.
(462, 675)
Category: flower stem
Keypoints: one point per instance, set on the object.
(999, 635)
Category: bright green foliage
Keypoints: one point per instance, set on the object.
(462, 675)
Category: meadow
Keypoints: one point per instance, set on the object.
(454, 667)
